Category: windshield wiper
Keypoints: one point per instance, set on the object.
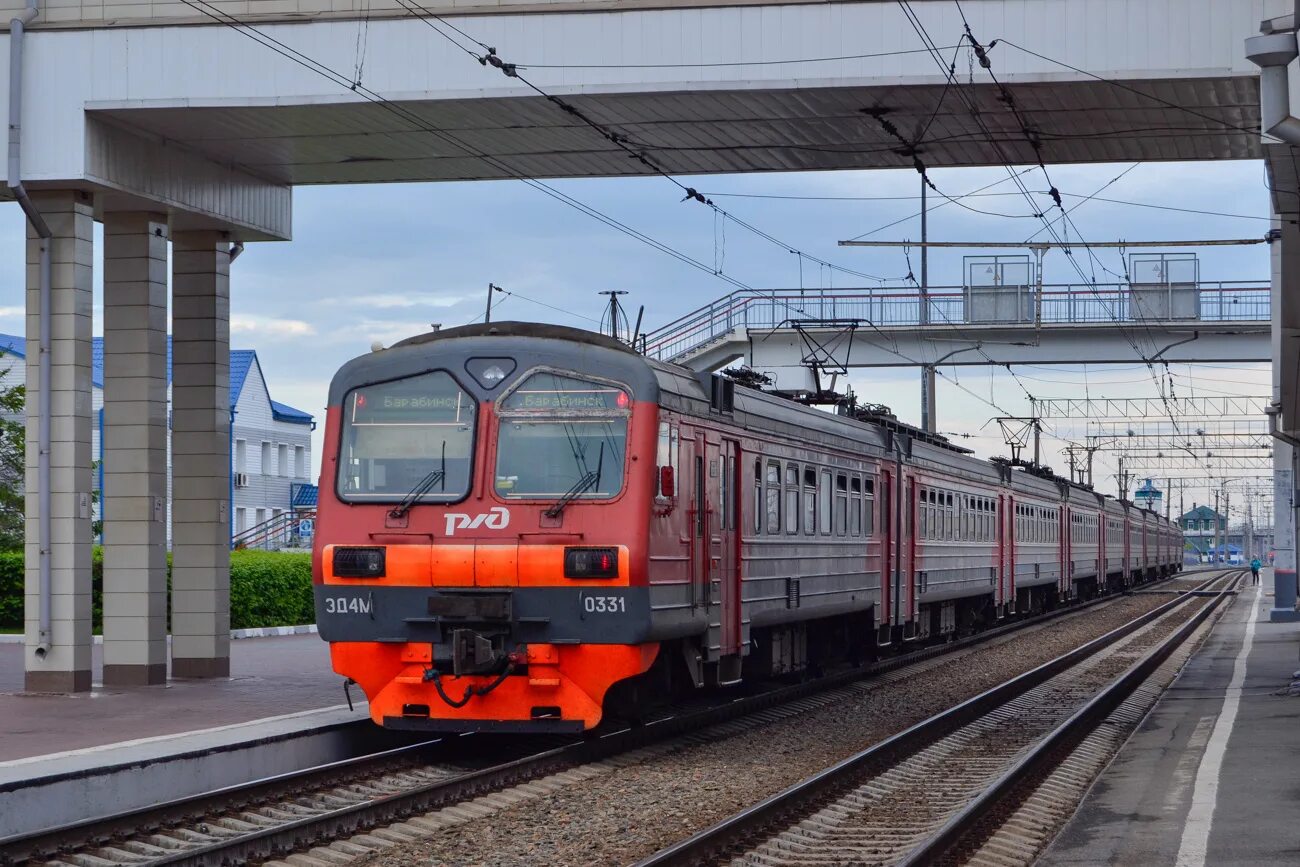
(436, 477)
(588, 481)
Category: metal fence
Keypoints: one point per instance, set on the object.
(947, 306)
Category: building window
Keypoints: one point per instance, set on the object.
(282, 464)
(241, 520)
(266, 460)
(241, 456)
(299, 462)
(259, 517)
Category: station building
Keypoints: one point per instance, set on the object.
(270, 461)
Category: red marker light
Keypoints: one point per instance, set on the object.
(622, 400)
(361, 401)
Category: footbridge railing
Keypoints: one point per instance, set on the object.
(963, 306)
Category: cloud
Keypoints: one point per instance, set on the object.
(269, 325)
(393, 300)
(12, 312)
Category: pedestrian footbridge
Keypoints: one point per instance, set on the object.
(781, 332)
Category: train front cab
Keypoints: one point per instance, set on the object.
(480, 559)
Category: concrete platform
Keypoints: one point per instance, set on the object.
(270, 677)
(1213, 774)
(70, 758)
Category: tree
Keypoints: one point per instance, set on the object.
(13, 463)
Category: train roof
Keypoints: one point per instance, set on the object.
(512, 328)
(683, 389)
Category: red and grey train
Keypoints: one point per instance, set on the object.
(520, 524)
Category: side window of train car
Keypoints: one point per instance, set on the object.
(855, 506)
(841, 504)
(773, 497)
(809, 501)
(949, 517)
(923, 506)
(792, 498)
(733, 498)
(701, 504)
(758, 496)
(869, 507)
(824, 504)
(724, 493)
(669, 447)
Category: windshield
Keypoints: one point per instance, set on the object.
(558, 432)
(395, 434)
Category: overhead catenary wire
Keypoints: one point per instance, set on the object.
(306, 61)
(619, 140)
(1194, 211)
(1035, 144)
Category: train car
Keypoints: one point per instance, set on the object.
(1115, 543)
(521, 526)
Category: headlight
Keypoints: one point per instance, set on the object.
(590, 562)
(359, 562)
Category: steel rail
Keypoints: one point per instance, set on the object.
(290, 836)
(712, 843)
(1047, 751)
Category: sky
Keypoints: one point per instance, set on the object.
(383, 262)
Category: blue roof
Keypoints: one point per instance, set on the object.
(284, 412)
(241, 361)
(304, 496)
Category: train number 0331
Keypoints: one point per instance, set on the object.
(604, 604)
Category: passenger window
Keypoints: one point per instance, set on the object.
(774, 498)
(724, 485)
(869, 508)
(809, 501)
(824, 504)
(758, 496)
(729, 505)
(701, 504)
(841, 504)
(791, 498)
(855, 503)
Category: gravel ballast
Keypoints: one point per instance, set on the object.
(625, 811)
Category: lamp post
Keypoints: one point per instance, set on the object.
(928, 407)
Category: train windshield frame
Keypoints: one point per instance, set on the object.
(562, 434)
(407, 435)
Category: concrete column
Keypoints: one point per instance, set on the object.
(200, 454)
(135, 448)
(61, 662)
(1285, 254)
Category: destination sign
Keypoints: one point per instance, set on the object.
(549, 391)
(432, 398)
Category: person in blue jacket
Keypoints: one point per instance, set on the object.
(1254, 570)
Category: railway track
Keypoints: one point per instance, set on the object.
(977, 783)
(293, 812)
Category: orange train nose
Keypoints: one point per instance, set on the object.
(561, 689)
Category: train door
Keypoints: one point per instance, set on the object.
(1006, 552)
(701, 574)
(907, 555)
(1066, 555)
(724, 464)
(886, 618)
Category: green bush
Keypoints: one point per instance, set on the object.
(267, 588)
(270, 588)
(11, 589)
